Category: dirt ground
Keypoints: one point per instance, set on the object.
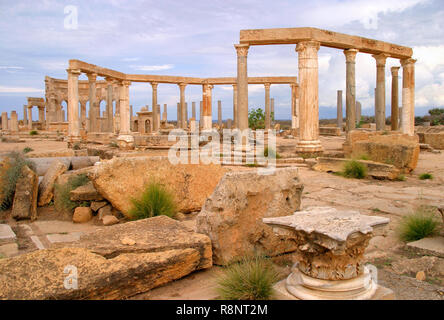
(392, 199)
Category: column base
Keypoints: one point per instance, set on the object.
(301, 287)
(125, 142)
(309, 146)
(207, 122)
(72, 140)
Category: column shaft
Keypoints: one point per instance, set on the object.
(234, 106)
(350, 95)
(394, 117)
(124, 108)
(380, 91)
(408, 96)
(267, 106)
(73, 106)
(93, 121)
(183, 110)
(154, 103)
(242, 86)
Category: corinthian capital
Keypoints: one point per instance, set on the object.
(380, 59)
(350, 55)
(242, 49)
(307, 45)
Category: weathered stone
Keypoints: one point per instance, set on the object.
(109, 220)
(25, 197)
(6, 233)
(128, 241)
(430, 246)
(121, 179)
(150, 235)
(232, 215)
(42, 165)
(82, 215)
(105, 211)
(83, 162)
(330, 131)
(46, 186)
(96, 205)
(374, 169)
(41, 274)
(432, 266)
(9, 249)
(86, 192)
(421, 276)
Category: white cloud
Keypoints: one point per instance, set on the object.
(154, 67)
(4, 89)
(10, 68)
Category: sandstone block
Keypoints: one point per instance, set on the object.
(25, 197)
(96, 205)
(86, 192)
(109, 220)
(46, 186)
(232, 215)
(105, 211)
(82, 215)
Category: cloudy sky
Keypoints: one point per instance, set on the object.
(196, 37)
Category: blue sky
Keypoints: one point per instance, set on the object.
(195, 38)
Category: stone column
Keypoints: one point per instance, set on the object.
(408, 96)
(4, 121)
(73, 106)
(158, 116)
(267, 106)
(193, 110)
(219, 113)
(93, 121)
(339, 115)
(358, 112)
(309, 99)
(242, 86)
(124, 108)
(380, 91)
(179, 122)
(154, 104)
(116, 118)
(207, 121)
(25, 115)
(183, 114)
(82, 114)
(165, 113)
(109, 106)
(200, 114)
(294, 114)
(131, 118)
(273, 115)
(186, 114)
(394, 118)
(234, 106)
(42, 115)
(350, 87)
(30, 117)
(14, 122)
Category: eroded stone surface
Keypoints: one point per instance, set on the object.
(46, 186)
(86, 192)
(25, 197)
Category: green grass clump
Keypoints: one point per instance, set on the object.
(76, 146)
(113, 144)
(11, 171)
(156, 200)
(272, 153)
(251, 165)
(355, 169)
(33, 133)
(426, 176)
(27, 149)
(400, 177)
(363, 157)
(250, 279)
(62, 193)
(418, 225)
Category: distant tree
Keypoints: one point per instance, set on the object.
(436, 111)
(256, 118)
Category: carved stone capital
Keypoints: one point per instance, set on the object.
(242, 49)
(380, 59)
(92, 77)
(154, 85)
(307, 45)
(267, 86)
(74, 72)
(395, 71)
(350, 55)
(408, 62)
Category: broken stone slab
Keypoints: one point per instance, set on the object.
(6, 234)
(86, 192)
(42, 274)
(375, 170)
(9, 250)
(83, 162)
(43, 164)
(25, 197)
(96, 205)
(121, 179)
(232, 215)
(82, 215)
(69, 237)
(109, 220)
(46, 186)
(430, 246)
(150, 235)
(105, 211)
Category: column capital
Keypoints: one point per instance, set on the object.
(182, 85)
(267, 86)
(211, 86)
(304, 45)
(75, 72)
(110, 81)
(154, 85)
(234, 85)
(126, 83)
(92, 77)
(380, 59)
(350, 55)
(293, 85)
(407, 62)
(242, 49)
(394, 71)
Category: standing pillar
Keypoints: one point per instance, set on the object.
(394, 118)
(52, 111)
(339, 113)
(124, 108)
(200, 114)
(380, 91)
(116, 117)
(186, 114)
(30, 117)
(73, 106)
(358, 112)
(183, 111)
(219, 113)
(267, 106)
(294, 114)
(350, 93)
(408, 96)
(109, 127)
(165, 114)
(93, 121)
(25, 115)
(309, 99)
(207, 121)
(179, 122)
(14, 122)
(154, 104)
(234, 106)
(82, 114)
(158, 116)
(42, 116)
(242, 86)
(273, 115)
(131, 118)
(193, 110)
(4, 121)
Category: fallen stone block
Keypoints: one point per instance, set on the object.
(109, 220)
(429, 246)
(330, 131)
(105, 211)
(25, 197)
(6, 234)
(46, 186)
(376, 170)
(9, 249)
(86, 192)
(96, 205)
(121, 179)
(232, 215)
(82, 215)
(42, 165)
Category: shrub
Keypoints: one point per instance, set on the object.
(355, 169)
(420, 224)
(270, 152)
(400, 177)
(249, 279)
(76, 146)
(11, 171)
(33, 133)
(426, 176)
(363, 157)
(113, 144)
(27, 149)
(62, 193)
(156, 200)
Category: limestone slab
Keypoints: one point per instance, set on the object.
(433, 246)
(6, 232)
